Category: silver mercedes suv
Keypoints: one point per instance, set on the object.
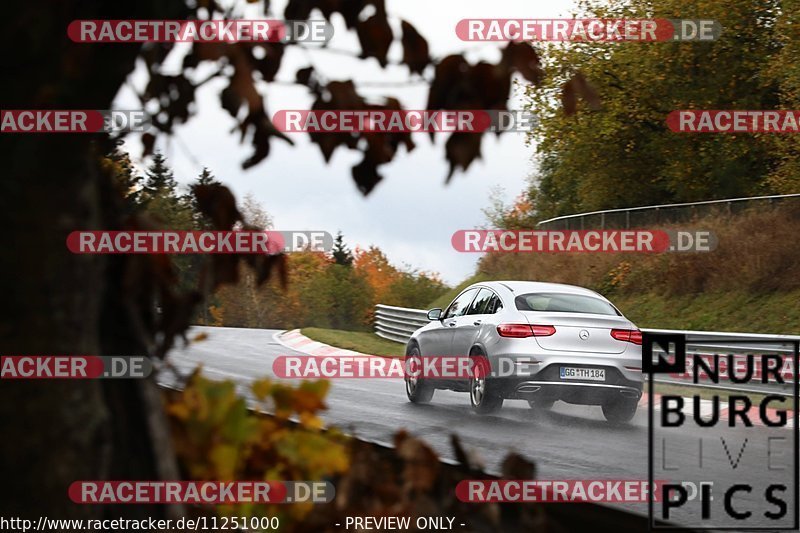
(543, 342)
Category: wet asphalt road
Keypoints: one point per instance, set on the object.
(567, 442)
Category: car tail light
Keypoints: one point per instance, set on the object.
(627, 335)
(524, 330)
(543, 331)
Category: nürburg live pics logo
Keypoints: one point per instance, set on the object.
(723, 432)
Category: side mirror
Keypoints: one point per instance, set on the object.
(435, 314)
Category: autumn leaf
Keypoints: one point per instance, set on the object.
(586, 91)
(148, 142)
(298, 9)
(415, 49)
(575, 87)
(421, 464)
(217, 202)
(461, 150)
(569, 97)
(269, 65)
(524, 59)
(261, 388)
(375, 37)
(304, 75)
(446, 78)
(366, 176)
(516, 466)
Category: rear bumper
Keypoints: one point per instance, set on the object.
(529, 380)
(570, 392)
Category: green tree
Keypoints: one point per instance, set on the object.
(200, 220)
(129, 182)
(341, 253)
(206, 177)
(623, 154)
(161, 198)
(784, 69)
(414, 289)
(350, 297)
(254, 213)
(159, 178)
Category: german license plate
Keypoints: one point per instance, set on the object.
(592, 374)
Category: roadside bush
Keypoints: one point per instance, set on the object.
(757, 252)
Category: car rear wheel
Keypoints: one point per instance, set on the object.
(620, 411)
(417, 389)
(482, 394)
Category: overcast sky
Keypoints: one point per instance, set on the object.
(411, 214)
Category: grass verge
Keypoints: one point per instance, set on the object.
(360, 341)
(730, 311)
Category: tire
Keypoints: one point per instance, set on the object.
(620, 411)
(482, 394)
(542, 405)
(417, 389)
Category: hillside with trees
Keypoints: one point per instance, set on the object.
(622, 153)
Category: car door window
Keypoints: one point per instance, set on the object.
(494, 305)
(481, 302)
(460, 304)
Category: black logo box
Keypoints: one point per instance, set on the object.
(664, 366)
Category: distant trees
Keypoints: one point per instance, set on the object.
(396, 286)
(158, 194)
(335, 290)
(327, 292)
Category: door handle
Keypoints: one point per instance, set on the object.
(451, 324)
(477, 323)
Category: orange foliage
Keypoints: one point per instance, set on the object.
(374, 266)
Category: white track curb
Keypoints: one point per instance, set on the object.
(297, 341)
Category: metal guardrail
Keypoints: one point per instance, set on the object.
(653, 214)
(399, 323)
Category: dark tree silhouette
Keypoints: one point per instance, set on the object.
(206, 177)
(159, 177)
(56, 432)
(341, 253)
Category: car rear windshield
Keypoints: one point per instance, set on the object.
(564, 303)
